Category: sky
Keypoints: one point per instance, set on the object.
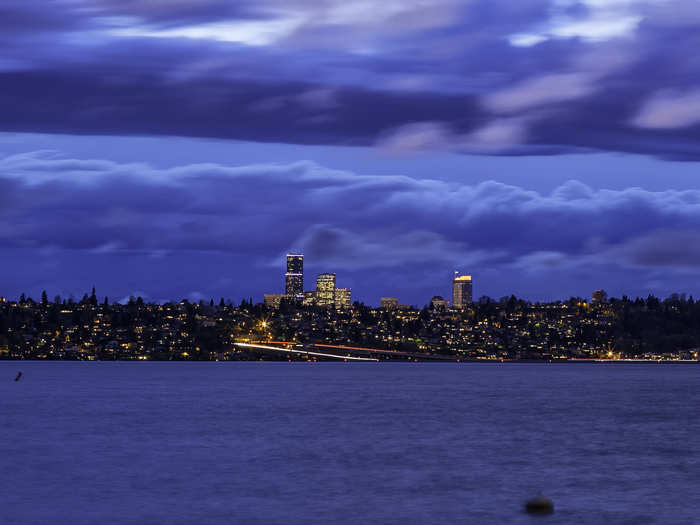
(179, 149)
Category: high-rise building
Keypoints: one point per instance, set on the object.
(294, 278)
(342, 298)
(325, 289)
(389, 303)
(461, 291)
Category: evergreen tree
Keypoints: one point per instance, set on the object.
(93, 297)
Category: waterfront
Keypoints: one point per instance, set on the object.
(268, 443)
(508, 329)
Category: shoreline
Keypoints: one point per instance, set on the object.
(437, 361)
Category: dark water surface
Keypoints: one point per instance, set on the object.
(269, 443)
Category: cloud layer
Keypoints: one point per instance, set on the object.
(383, 234)
(491, 76)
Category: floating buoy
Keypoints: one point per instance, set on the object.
(539, 505)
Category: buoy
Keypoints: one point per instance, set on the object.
(539, 505)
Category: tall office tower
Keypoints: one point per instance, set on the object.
(294, 278)
(461, 291)
(325, 289)
(342, 298)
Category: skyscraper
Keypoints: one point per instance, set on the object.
(461, 291)
(294, 278)
(325, 289)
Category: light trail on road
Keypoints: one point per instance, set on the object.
(278, 349)
(340, 347)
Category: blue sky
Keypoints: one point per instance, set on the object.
(180, 149)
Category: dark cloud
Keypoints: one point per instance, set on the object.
(661, 248)
(19, 16)
(497, 77)
(180, 12)
(89, 104)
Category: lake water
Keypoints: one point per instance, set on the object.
(347, 443)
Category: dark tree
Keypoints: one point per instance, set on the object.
(93, 297)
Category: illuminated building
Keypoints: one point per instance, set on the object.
(309, 299)
(389, 303)
(342, 298)
(462, 291)
(439, 303)
(599, 297)
(273, 300)
(325, 289)
(294, 278)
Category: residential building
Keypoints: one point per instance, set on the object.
(439, 303)
(599, 297)
(389, 303)
(273, 300)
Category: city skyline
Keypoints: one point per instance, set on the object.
(643, 329)
(327, 294)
